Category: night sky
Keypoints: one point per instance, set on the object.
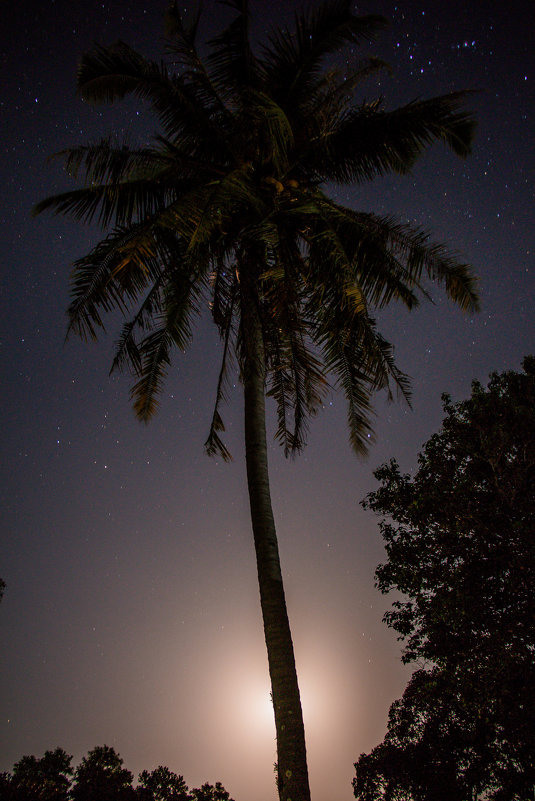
(131, 614)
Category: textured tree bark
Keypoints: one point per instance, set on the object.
(292, 772)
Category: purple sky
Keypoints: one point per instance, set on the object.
(131, 614)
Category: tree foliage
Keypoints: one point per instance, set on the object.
(161, 784)
(459, 537)
(233, 188)
(100, 776)
(47, 778)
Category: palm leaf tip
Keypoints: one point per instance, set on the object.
(214, 445)
(459, 281)
(44, 205)
(460, 135)
(455, 126)
(144, 407)
(463, 290)
(361, 443)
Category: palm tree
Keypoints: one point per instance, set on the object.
(228, 206)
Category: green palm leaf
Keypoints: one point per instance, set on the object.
(106, 162)
(127, 354)
(106, 74)
(123, 204)
(96, 286)
(172, 329)
(214, 444)
(109, 74)
(231, 63)
(369, 142)
(293, 61)
(273, 132)
(181, 37)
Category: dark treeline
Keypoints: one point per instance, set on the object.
(100, 775)
(459, 537)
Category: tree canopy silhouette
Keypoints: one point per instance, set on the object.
(100, 776)
(228, 207)
(460, 547)
(47, 778)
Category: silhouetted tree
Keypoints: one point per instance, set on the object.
(100, 775)
(436, 746)
(210, 792)
(38, 779)
(161, 784)
(228, 206)
(460, 546)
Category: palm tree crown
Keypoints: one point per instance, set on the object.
(232, 190)
(228, 206)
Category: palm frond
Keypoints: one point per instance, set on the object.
(110, 73)
(187, 162)
(181, 36)
(296, 379)
(292, 61)
(106, 161)
(345, 360)
(224, 288)
(373, 274)
(389, 260)
(380, 364)
(274, 136)
(323, 108)
(120, 204)
(416, 255)
(172, 330)
(126, 348)
(181, 43)
(331, 259)
(154, 359)
(96, 289)
(363, 362)
(297, 383)
(106, 74)
(231, 63)
(370, 142)
(214, 444)
(223, 200)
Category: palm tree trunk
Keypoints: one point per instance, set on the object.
(292, 772)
